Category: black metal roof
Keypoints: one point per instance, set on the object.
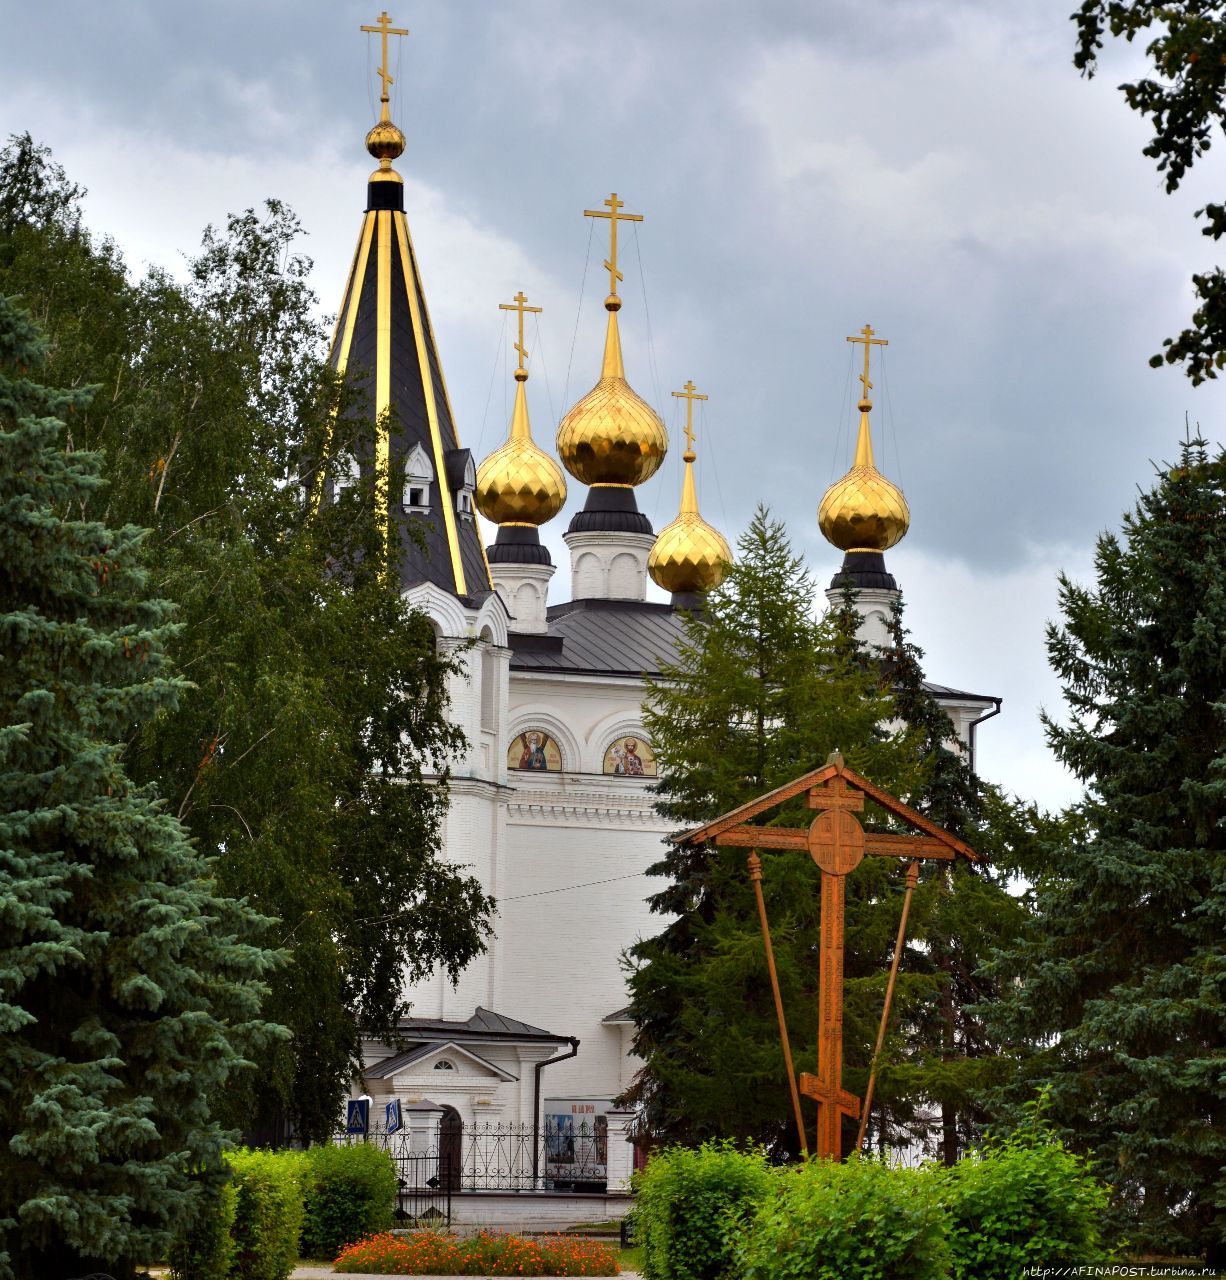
(629, 638)
(483, 1025)
(602, 637)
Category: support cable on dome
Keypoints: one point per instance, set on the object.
(889, 413)
(540, 347)
(489, 395)
(651, 346)
(709, 462)
(587, 258)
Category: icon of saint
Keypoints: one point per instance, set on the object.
(633, 761)
(533, 754)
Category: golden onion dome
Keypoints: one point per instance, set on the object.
(863, 511)
(612, 435)
(520, 483)
(689, 555)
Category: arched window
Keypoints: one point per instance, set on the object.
(444, 1064)
(418, 475)
(347, 475)
(489, 683)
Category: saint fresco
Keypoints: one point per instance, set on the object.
(630, 756)
(534, 750)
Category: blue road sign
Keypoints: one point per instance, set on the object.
(395, 1120)
(357, 1118)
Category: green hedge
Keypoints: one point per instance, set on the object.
(856, 1221)
(690, 1205)
(268, 1213)
(350, 1193)
(1022, 1202)
(207, 1251)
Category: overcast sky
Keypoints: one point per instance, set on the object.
(937, 169)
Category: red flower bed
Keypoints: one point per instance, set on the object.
(435, 1253)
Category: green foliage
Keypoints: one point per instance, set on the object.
(130, 987)
(862, 1220)
(1185, 103)
(1022, 1202)
(206, 1251)
(350, 1192)
(690, 1205)
(268, 1213)
(297, 755)
(759, 694)
(1118, 984)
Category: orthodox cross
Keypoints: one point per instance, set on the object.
(520, 305)
(612, 211)
(689, 395)
(837, 843)
(384, 28)
(866, 337)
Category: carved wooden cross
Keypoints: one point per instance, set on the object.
(837, 843)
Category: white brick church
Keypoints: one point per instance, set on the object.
(550, 807)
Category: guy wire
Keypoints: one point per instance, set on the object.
(489, 395)
(842, 433)
(709, 453)
(540, 346)
(889, 410)
(578, 313)
(651, 346)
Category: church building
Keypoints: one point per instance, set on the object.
(550, 807)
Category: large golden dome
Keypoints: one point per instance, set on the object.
(863, 511)
(612, 436)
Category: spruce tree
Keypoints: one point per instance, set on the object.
(299, 757)
(129, 987)
(759, 693)
(1119, 985)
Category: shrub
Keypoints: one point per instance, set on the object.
(268, 1213)
(487, 1254)
(206, 1252)
(856, 1221)
(349, 1193)
(689, 1206)
(1021, 1202)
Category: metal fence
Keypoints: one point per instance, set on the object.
(436, 1159)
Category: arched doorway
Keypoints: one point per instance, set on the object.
(450, 1149)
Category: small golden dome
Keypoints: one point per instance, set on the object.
(689, 555)
(863, 511)
(612, 435)
(520, 483)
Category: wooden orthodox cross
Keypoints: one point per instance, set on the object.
(837, 843)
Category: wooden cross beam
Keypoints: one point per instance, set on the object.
(838, 844)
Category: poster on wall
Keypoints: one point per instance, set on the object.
(534, 749)
(576, 1141)
(630, 756)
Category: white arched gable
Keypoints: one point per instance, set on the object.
(558, 730)
(448, 614)
(493, 615)
(605, 731)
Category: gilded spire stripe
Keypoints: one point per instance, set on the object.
(383, 376)
(427, 386)
(442, 376)
(353, 296)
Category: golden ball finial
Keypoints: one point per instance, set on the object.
(385, 141)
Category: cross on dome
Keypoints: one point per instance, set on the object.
(520, 305)
(612, 209)
(866, 337)
(383, 27)
(689, 394)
